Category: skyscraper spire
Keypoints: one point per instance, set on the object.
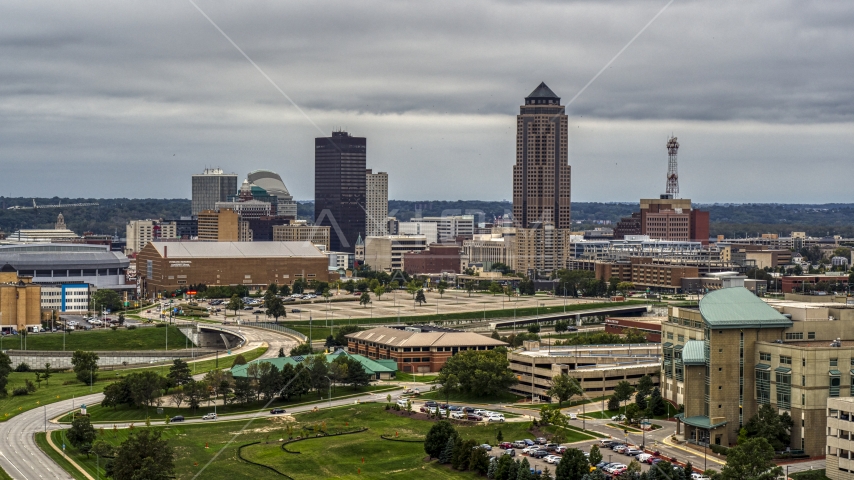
(672, 173)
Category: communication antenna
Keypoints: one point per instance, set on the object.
(672, 173)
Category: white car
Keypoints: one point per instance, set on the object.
(614, 466)
(618, 418)
(495, 418)
(209, 416)
(401, 402)
(573, 416)
(553, 459)
(643, 457)
(480, 412)
(531, 449)
(458, 415)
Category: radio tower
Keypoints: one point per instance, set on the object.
(672, 174)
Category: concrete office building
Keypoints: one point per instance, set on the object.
(417, 348)
(247, 209)
(139, 232)
(218, 226)
(598, 369)
(300, 232)
(20, 302)
(273, 184)
(339, 188)
(541, 183)
(839, 460)
(211, 186)
(450, 227)
(386, 253)
(736, 352)
(65, 298)
(428, 229)
(68, 263)
(376, 203)
(168, 266)
(487, 249)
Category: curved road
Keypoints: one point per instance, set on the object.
(22, 459)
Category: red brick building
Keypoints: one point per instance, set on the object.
(436, 259)
(649, 326)
(666, 219)
(418, 348)
(799, 283)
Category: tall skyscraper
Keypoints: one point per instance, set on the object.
(541, 184)
(376, 203)
(339, 188)
(210, 187)
(541, 176)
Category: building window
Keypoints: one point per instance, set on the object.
(795, 336)
(765, 357)
(763, 387)
(785, 360)
(681, 338)
(810, 335)
(670, 335)
(784, 391)
(834, 386)
(834, 362)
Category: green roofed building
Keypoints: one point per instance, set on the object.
(736, 352)
(376, 369)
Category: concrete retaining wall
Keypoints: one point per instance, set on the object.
(62, 360)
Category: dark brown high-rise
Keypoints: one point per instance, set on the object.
(541, 176)
(339, 188)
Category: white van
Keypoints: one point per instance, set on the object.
(401, 402)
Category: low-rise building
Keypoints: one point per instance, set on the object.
(20, 302)
(435, 259)
(218, 226)
(807, 283)
(428, 229)
(649, 326)
(386, 253)
(597, 368)
(300, 232)
(169, 266)
(69, 263)
(417, 348)
(139, 232)
(839, 460)
(65, 298)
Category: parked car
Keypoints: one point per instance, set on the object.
(553, 459)
(643, 457)
(510, 452)
(277, 411)
(495, 417)
(209, 416)
(529, 450)
(468, 409)
(176, 418)
(542, 440)
(295, 310)
(486, 447)
(505, 445)
(431, 403)
(560, 449)
(528, 442)
(519, 444)
(258, 311)
(402, 402)
(473, 417)
(620, 448)
(540, 454)
(618, 418)
(458, 415)
(632, 452)
(573, 416)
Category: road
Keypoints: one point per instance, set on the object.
(21, 458)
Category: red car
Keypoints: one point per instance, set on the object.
(505, 445)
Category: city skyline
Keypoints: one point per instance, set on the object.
(94, 98)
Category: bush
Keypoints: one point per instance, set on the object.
(18, 391)
(161, 325)
(30, 386)
(131, 327)
(239, 360)
(719, 449)
(114, 328)
(22, 367)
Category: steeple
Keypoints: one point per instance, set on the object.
(542, 95)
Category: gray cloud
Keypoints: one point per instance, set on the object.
(130, 98)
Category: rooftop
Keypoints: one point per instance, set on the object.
(435, 337)
(694, 353)
(737, 307)
(237, 249)
(543, 91)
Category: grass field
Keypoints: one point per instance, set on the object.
(65, 385)
(97, 413)
(4, 475)
(329, 457)
(145, 338)
(409, 377)
(41, 441)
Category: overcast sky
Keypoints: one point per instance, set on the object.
(109, 99)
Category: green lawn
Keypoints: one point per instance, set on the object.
(624, 427)
(606, 415)
(409, 377)
(4, 475)
(65, 385)
(329, 457)
(97, 413)
(504, 397)
(810, 475)
(41, 441)
(144, 338)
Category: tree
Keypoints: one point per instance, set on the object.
(144, 455)
(85, 365)
(623, 391)
(613, 403)
(447, 452)
(47, 374)
(239, 360)
(301, 349)
(342, 332)
(364, 299)
(243, 391)
(5, 370)
(767, 424)
(277, 309)
(624, 287)
(480, 372)
(469, 286)
(450, 384)
(572, 466)
(81, 432)
(633, 413)
(105, 299)
(102, 449)
(595, 455)
(441, 287)
(640, 401)
(479, 461)
(561, 326)
(494, 288)
(534, 328)
(412, 287)
(688, 470)
(656, 402)
(524, 470)
(437, 438)
(564, 388)
(235, 304)
(177, 398)
(144, 387)
(644, 386)
(179, 373)
(752, 460)
(419, 296)
(281, 352)
(379, 291)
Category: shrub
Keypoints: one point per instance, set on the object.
(30, 386)
(18, 391)
(22, 367)
(114, 328)
(131, 327)
(719, 449)
(161, 325)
